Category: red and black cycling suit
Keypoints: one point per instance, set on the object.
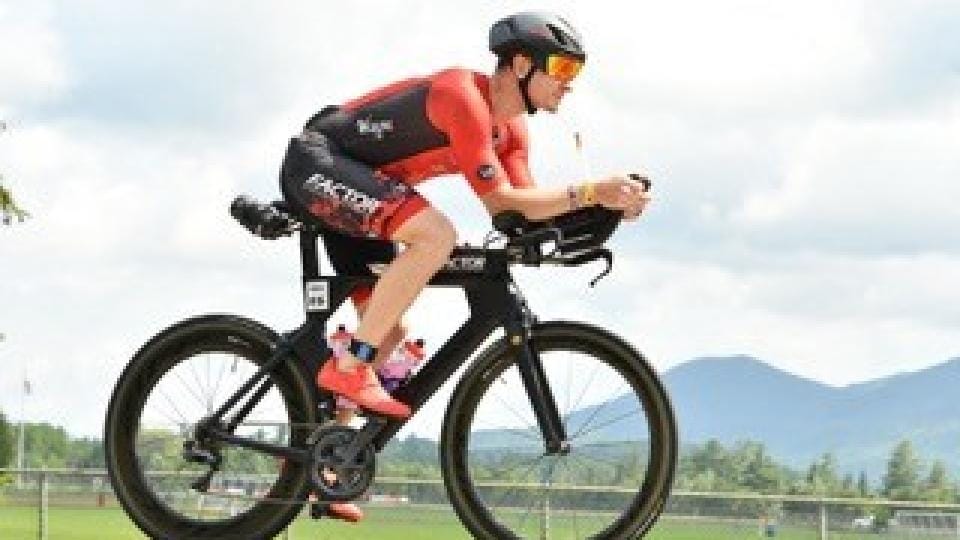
(355, 165)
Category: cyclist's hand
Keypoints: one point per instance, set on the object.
(623, 193)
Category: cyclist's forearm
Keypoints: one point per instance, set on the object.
(534, 203)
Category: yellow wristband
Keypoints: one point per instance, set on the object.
(588, 194)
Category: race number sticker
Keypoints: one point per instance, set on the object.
(317, 295)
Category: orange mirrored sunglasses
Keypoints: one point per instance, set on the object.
(563, 68)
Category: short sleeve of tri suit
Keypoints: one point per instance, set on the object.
(515, 158)
(457, 107)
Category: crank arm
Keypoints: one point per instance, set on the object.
(363, 439)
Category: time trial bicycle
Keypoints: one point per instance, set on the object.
(216, 428)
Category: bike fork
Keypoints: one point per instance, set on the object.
(535, 381)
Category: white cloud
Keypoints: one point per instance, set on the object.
(830, 318)
(884, 184)
(32, 68)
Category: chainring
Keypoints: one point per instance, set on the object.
(353, 478)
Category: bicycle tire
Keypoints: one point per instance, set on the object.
(473, 392)
(229, 334)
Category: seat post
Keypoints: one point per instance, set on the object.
(309, 257)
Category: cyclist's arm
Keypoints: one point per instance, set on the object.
(456, 107)
(521, 194)
(537, 203)
(515, 158)
(534, 203)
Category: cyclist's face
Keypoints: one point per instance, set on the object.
(546, 92)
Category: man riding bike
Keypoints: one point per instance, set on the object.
(354, 168)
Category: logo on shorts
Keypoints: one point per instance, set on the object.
(486, 172)
(357, 201)
(375, 127)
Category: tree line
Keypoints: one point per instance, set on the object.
(709, 467)
(746, 466)
(47, 446)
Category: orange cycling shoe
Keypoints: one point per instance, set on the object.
(345, 511)
(363, 388)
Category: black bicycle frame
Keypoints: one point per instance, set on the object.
(494, 301)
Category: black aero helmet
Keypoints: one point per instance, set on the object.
(537, 34)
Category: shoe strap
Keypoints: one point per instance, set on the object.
(364, 351)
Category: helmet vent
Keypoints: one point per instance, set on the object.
(559, 34)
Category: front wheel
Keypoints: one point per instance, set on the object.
(623, 441)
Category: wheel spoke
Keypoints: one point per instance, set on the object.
(543, 492)
(606, 423)
(525, 474)
(570, 499)
(189, 389)
(193, 370)
(583, 391)
(514, 432)
(216, 388)
(599, 408)
(527, 424)
(566, 404)
(503, 472)
(174, 405)
(173, 421)
(605, 461)
(209, 387)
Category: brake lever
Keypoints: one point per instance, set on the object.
(592, 255)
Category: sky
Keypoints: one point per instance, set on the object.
(804, 158)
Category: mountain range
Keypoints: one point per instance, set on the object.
(740, 397)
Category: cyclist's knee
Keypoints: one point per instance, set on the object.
(429, 227)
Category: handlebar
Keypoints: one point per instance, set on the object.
(578, 235)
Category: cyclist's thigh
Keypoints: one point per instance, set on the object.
(353, 256)
(343, 193)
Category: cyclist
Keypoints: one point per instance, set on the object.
(354, 168)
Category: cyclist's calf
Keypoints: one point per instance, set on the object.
(430, 238)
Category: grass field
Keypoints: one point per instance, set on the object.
(19, 523)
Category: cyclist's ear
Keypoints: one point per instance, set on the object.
(522, 64)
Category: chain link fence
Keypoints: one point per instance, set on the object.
(80, 505)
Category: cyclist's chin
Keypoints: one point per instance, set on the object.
(553, 105)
